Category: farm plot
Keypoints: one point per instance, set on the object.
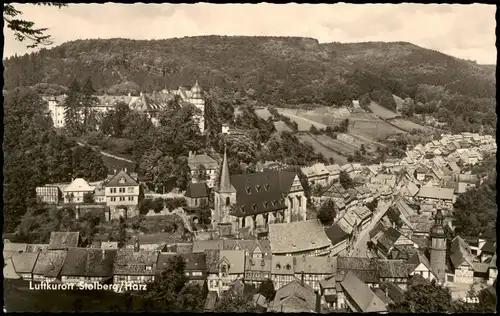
(303, 124)
(373, 129)
(337, 145)
(322, 148)
(381, 111)
(408, 125)
(263, 113)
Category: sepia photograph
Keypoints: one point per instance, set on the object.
(249, 158)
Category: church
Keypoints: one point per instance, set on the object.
(253, 201)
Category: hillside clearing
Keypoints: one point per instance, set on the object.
(381, 111)
(322, 148)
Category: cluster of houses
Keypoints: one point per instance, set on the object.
(336, 281)
(149, 103)
(117, 196)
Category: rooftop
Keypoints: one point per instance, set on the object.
(297, 236)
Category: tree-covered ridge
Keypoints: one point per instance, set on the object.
(288, 70)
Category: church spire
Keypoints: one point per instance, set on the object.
(225, 183)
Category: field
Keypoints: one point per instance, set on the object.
(363, 124)
(409, 125)
(321, 148)
(337, 145)
(263, 113)
(280, 126)
(113, 163)
(381, 111)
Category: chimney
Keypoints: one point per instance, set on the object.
(137, 245)
(318, 302)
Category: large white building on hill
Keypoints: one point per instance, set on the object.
(150, 103)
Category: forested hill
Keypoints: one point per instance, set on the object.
(277, 70)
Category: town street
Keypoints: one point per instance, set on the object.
(359, 249)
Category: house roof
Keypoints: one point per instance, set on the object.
(297, 236)
(180, 247)
(63, 240)
(328, 282)
(256, 264)
(79, 185)
(282, 265)
(261, 192)
(489, 247)
(387, 240)
(361, 294)
(212, 260)
(129, 262)
(315, 265)
(392, 269)
(362, 212)
(14, 246)
(381, 295)
(75, 262)
(50, 263)
(199, 246)
(36, 247)
(356, 263)
(236, 260)
(333, 169)
(121, 179)
(250, 245)
(294, 297)
(100, 262)
(417, 259)
(460, 252)
(205, 160)
(210, 301)
(336, 234)
(378, 228)
(24, 262)
(396, 294)
(197, 190)
(109, 245)
(193, 262)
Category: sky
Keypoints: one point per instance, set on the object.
(463, 31)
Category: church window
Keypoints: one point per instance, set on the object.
(228, 201)
(266, 187)
(257, 188)
(254, 207)
(249, 190)
(243, 209)
(265, 204)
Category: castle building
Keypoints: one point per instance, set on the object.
(438, 248)
(252, 201)
(196, 98)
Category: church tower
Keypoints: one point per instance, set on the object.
(225, 196)
(438, 248)
(198, 101)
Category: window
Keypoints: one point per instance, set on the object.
(121, 190)
(274, 203)
(266, 187)
(228, 201)
(131, 198)
(197, 273)
(149, 268)
(249, 190)
(130, 189)
(122, 198)
(254, 207)
(278, 267)
(265, 204)
(257, 188)
(243, 211)
(113, 199)
(112, 190)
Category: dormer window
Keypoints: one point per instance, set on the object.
(257, 188)
(265, 204)
(254, 207)
(249, 190)
(122, 180)
(262, 263)
(288, 267)
(278, 267)
(274, 202)
(252, 262)
(149, 268)
(243, 209)
(266, 187)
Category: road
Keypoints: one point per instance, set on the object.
(359, 249)
(185, 219)
(106, 154)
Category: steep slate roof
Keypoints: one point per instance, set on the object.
(75, 262)
(392, 269)
(63, 240)
(36, 247)
(336, 234)
(236, 260)
(387, 240)
(128, 262)
(199, 246)
(109, 245)
(294, 297)
(489, 247)
(366, 269)
(100, 262)
(282, 265)
(255, 189)
(206, 161)
(315, 265)
(116, 180)
(212, 260)
(256, 264)
(297, 236)
(361, 294)
(436, 193)
(197, 190)
(249, 245)
(50, 263)
(362, 212)
(24, 262)
(79, 185)
(378, 228)
(460, 252)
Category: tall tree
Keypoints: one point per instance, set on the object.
(345, 180)
(24, 29)
(89, 100)
(326, 213)
(266, 288)
(72, 109)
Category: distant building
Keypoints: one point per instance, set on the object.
(75, 192)
(438, 248)
(197, 195)
(122, 195)
(49, 194)
(206, 163)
